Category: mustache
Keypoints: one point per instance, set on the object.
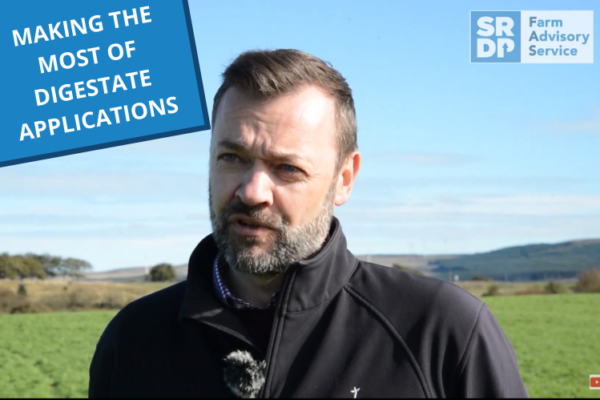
(239, 208)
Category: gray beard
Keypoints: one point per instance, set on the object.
(289, 246)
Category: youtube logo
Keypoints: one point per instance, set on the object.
(595, 382)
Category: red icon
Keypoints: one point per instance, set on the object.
(595, 382)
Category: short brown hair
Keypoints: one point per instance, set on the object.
(271, 73)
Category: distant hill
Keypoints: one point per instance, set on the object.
(130, 274)
(524, 263)
(415, 261)
(419, 262)
(518, 263)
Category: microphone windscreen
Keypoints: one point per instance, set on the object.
(244, 375)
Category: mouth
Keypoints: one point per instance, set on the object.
(249, 226)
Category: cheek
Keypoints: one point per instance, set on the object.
(299, 205)
(222, 191)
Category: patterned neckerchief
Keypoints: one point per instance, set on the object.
(225, 295)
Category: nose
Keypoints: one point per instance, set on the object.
(256, 188)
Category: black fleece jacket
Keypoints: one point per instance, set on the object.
(343, 328)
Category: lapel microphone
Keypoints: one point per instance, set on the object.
(244, 375)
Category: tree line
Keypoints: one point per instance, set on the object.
(41, 266)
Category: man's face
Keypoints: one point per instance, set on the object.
(272, 170)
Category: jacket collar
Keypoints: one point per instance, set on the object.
(312, 282)
(318, 279)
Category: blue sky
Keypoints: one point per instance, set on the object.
(457, 157)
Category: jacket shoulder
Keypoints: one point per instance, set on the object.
(149, 310)
(412, 303)
(456, 341)
(431, 318)
(131, 326)
(387, 287)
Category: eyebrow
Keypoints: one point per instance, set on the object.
(239, 147)
(230, 144)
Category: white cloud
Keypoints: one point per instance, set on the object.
(104, 185)
(111, 252)
(589, 127)
(138, 218)
(456, 224)
(425, 159)
(436, 207)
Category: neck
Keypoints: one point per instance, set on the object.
(255, 289)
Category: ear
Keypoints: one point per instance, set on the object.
(346, 177)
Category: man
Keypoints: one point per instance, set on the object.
(274, 304)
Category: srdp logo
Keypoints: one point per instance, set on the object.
(496, 36)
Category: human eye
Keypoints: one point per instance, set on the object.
(228, 157)
(291, 173)
(290, 169)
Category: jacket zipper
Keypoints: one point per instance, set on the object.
(281, 305)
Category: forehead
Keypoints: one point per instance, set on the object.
(301, 122)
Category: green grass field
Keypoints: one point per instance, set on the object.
(48, 355)
(556, 338)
